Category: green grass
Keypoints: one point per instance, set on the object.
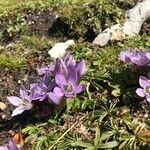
(12, 62)
(9, 6)
(99, 118)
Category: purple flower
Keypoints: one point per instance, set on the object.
(56, 95)
(145, 90)
(125, 55)
(67, 73)
(46, 70)
(11, 146)
(41, 90)
(23, 103)
(139, 58)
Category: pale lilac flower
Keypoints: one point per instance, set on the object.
(148, 55)
(11, 146)
(67, 75)
(22, 103)
(139, 58)
(126, 54)
(68, 86)
(46, 69)
(41, 90)
(56, 95)
(144, 91)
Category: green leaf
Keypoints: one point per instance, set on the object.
(123, 145)
(97, 136)
(90, 148)
(108, 145)
(69, 103)
(106, 135)
(116, 92)
(84, 144)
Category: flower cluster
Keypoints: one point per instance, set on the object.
(139, 58)
(59, 80)
(145, 90)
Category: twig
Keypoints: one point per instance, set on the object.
(66, 132)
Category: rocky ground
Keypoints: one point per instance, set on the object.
(28, 30)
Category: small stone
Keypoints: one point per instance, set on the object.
(10, 45)
(146, 115)
(3, 116)
(59, 49)
(19, 81)
(2, 106)
(102, 39)
(1, 47)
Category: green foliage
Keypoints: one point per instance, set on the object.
(90, 18)
(35, 43)
(11, 61)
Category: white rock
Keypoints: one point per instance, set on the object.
(2, 106)
(135, 17)
(10, 45)
(59, 49)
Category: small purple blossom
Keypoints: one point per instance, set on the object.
(41, 90)
(11, 146)
(64, 66)
(56, 95)
(67, 74)
(22, 103)
(46, 69)
(59, 80)
(144, 91)
(139, 58)
(69, 85)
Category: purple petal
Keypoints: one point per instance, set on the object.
(81, 68)
(4, 147)
(43, 97)
(148, 55)
(12, 145)
(73, 77)
(140, 59)
(33, 85)
(124, 57)
(148, 98)
(46, 69)
(17, 111)
(64, 66)
(28, 106)
(58, 91)
(56, 96)
(38, 93)
(21, 109)
(70, 61)
(60, 79)
(143, 81)
(42, 71)
(79, 88)
(140, 92)
(23, 93)
(16, 101)
(70, 95)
